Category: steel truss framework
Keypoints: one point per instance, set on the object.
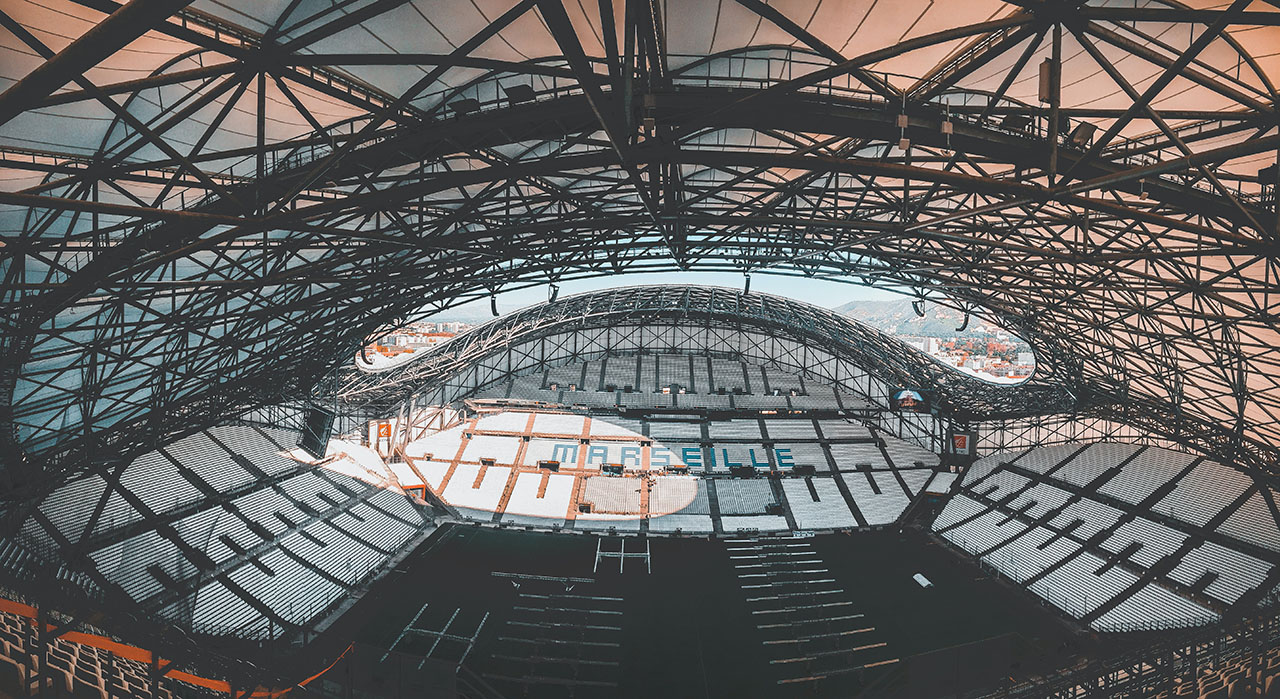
(1165, 664)
(277, 189)
(762, 329)
(759, 328)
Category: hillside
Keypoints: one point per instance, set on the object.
(896, 317)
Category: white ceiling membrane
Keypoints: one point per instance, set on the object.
(204, 207)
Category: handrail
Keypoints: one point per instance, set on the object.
(739, 71)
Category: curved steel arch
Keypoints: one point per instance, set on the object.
(1142, 265)
(376, 394)
(363, 395)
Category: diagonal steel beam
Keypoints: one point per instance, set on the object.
(867, 59)
(1159, 84)
(343, 22)
(108, 36)
(149, 82)
(877, 83)
(1132, 92)
(1107, 181)
(1179, 15)
(405, 100)
(1156, 58)
(562, 30)
(973, 56)
(146, 133)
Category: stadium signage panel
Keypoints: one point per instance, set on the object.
(962, 442)
(910, 400)
(631, 455)
(625, 454)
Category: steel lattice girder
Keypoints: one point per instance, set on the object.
(151, 291)
(378, 394)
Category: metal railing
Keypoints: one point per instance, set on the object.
(1159, 624)
(757, 70)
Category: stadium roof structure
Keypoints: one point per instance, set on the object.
(207, 206)
(894, 362)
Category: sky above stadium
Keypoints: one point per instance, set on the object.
(819, 292)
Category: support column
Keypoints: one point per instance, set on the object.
(1055, 102)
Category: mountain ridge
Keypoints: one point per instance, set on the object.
(897, 317)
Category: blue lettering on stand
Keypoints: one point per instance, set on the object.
(659, 457)
(727, 462)
(631, 454)
(597, 454)
(692, 457)
(758, 464)
(785, 459)
(565, 453)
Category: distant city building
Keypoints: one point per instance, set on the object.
(400, 344)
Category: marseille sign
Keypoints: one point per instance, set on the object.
(631, 456)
